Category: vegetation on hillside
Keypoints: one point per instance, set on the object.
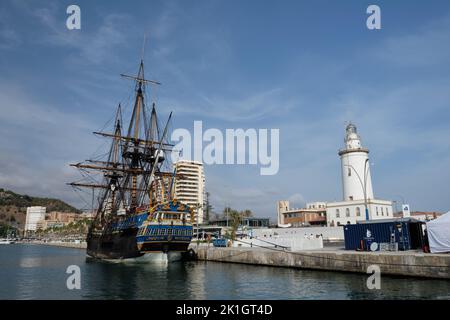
(7, 231)
(77, 228)
(10, 198)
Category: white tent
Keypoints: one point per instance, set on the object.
(439, 233)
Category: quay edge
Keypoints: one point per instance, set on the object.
(409, 264)
(74, 245)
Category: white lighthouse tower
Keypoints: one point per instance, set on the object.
(358, 202)
(356, 180)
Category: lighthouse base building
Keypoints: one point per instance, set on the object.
(349, 212)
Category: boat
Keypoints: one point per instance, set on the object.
(7, 241)
(137, 217)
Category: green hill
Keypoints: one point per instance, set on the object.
(13, 207)
(9, 198)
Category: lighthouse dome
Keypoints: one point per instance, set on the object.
(352, 140)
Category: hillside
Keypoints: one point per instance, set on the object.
(13, 207)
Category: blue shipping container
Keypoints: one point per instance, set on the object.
(359, 236)
(222, 242)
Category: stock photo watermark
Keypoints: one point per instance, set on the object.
(232, 147)
(73, 22)
(73, 282)
(374, 280)
(373, 22)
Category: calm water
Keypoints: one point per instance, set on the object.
(38, 272)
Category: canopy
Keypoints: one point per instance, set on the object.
(439, 233)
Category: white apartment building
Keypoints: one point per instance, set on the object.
(34, 216)
(190, 187)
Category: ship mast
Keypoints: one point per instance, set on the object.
(136, 156)
(134, 159)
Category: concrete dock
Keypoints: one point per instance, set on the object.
(75, 245)
(400, 263)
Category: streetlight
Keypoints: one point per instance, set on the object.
(396, 207)
(226, 208)
(198, 206)
(363, 185)
(403, 199)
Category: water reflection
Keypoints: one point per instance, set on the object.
(39, 272)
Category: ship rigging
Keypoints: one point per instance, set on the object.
(135, 198)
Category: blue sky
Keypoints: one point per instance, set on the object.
(305, 67)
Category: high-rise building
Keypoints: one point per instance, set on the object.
(34, 216)
(190, 186)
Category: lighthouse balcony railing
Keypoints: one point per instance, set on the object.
(343, 151)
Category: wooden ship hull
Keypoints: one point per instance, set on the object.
(162, 229)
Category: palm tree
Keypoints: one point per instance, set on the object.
(235, 221)
(247, 213)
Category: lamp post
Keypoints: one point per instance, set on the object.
(198, 206)
(363, 184)
(226, 213)
(395, 202)
(402, 198)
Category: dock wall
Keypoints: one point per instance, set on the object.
(409, 264)
(81, 245)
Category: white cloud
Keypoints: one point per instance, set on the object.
(296, 201)
(38, 142)
(94, 44)
(427, 47)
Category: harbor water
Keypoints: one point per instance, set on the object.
(39, 272)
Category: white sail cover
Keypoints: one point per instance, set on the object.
(439, 234)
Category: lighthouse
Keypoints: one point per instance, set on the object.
(355, 168)
(358, 203)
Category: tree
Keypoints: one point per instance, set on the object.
(247, 213)
(235, 222)
(208, 207)
(234, 218)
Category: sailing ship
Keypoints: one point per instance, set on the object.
(137, 216)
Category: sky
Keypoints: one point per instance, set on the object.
(306, 68)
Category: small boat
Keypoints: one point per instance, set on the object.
(7, 241)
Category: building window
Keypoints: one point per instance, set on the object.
(358, 211)
(376, 210)
(347, 212)
(337, 213)
(351, 198)
(382, 211)
(387, 211)
(349, 172)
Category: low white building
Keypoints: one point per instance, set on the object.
(345, 212)
(34, 216)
